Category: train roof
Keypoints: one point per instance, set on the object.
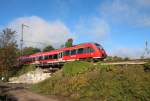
(59, 50)
(78, 46)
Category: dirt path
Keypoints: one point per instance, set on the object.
(18, 92)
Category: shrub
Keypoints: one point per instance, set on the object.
(101, 83)
(147, 67)
(23, 70)
(114, 59)
(126, 58)
(76, 67)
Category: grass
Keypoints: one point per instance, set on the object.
(82, 81)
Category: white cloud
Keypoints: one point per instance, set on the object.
(54, 33)
(95, 28)
(144, 21)
(115, 9)
(99, 27)
(129, 52)
(143, 3)
(133, 12)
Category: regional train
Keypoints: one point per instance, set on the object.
(85, 51)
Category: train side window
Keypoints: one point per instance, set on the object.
(40, 58)
(73, 52)
(55, 56)
(80, 50)
(50, 57)
(30, 59)
(26, 59)
(36, 58)
(67, 52)
(46, 57)
(89, 50)
(33, 59)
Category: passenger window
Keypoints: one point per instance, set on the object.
(67, 52)
(30, 59)
(40, 58)
(33, 59)
(46, 57)
(73, 52)
(50, 56)
(55, 56)
(80, 51)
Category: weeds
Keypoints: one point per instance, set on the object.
(98, 82)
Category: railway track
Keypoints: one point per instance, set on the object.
(126, 63)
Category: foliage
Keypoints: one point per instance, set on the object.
(101, 83)
(22, 70)
(8, 51)
(48, 48)
(69, 43)
(30, 50)
(75, 67)
(114, 58)
(126, 58)
(147, 66)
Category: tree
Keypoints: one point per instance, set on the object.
(8, 51)
(30, 50)
(69, 42)
(48, 48)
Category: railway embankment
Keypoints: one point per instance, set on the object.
(84, 81)
(30, 74)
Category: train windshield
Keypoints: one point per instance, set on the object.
(99, 46)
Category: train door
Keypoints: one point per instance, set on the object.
(73, 54)
(60, 56)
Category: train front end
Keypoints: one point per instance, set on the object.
(100, 51)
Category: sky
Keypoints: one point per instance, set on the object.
(120, 26)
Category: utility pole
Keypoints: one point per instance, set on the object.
(146, 50)
(21, 41)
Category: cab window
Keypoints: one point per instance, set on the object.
(89, 50)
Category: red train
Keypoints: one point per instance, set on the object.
(88, 51)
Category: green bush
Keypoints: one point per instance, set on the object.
(101, 83)
(104, 67)
(147, 67)
(76, 67)
(23, 70)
